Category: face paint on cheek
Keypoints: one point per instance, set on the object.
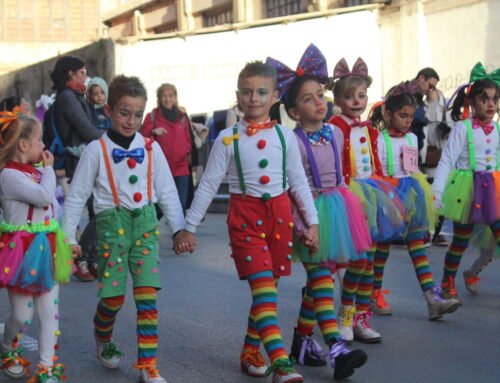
(263, 95)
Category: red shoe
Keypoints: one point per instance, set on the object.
(82, 272)
(448, 290)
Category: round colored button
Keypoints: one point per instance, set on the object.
(266, 197)
(488, 167)
(365, 160)
(261, 144)
(248, 259)
(366, 168)
(262, 235)
(364, 150)
(131, 163)
(263, 163)
(137, 197)
(244, 225)
(282, 268)
(264, 180)
(488, 151)
(362, 140)
(133, 179)
(248, 239)
(259, 222)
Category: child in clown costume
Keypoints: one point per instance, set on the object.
(34, 257)
(126, 173)
(263, 164)
(344, 233)
(398, 153)
(467, 180)
(362, 170)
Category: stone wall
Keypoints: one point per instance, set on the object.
(34, 80)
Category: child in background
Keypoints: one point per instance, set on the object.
(262, 160)
(36, 258)
(467, 180)
(126, 173)
(398, 153)
(361, 170)
(342, 221)
(97, 95)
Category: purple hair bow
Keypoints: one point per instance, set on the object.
(409, 87)
(342, 70)
(312, 63)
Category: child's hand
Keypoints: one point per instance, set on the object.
(310, 239)
(184, 242)
(76, 250)
(159, 131)
(47, 158)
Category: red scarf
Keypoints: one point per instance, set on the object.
(25, 168)
(396, 133)
(76, 87)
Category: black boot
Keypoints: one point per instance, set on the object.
(344, 361)
(311, 351)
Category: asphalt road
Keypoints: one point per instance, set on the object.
(203, 310)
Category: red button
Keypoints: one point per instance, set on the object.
(137, 197)
(264, 180)
(261, 144)
(45, 208)
(131, 163)
(362, 140)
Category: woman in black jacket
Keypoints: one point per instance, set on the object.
(72, 119)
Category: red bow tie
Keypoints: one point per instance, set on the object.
(396, 133)
(486, 126)
(255, 127)
(356, 124)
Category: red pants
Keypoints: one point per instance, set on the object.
(261, 234)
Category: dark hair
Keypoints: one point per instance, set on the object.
(63, 66)
(9, 103)
(257, 68)
(392, 103)
(428, 73)
(466, 94)
(122, 86)
(290, 96)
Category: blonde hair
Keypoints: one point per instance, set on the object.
(22, 128)
(162, 88)
(348, 85)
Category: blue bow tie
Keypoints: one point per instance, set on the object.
(119, 155)
(325, 132)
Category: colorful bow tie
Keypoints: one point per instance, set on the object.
(119, 155)
(256, 127)
(356, 123)
(324, 133)
(486, 126)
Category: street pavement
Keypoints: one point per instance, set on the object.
(203, 309)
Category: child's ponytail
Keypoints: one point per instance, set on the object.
(376, 115)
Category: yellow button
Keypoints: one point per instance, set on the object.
(364, 150)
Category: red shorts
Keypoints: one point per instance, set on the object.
(261, 234)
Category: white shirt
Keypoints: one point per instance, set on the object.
(397, 149)
(222, 161)
(18, 191)
(456, 154)
(91, 177)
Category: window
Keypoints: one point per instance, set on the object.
(219, 17)
(277, 8)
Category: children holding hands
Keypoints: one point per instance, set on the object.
(262, 160)
(126, 173)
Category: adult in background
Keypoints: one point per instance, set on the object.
(169, 125)
(431, 128)
(72, 119)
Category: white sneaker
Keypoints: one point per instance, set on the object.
(362, 329)
(346, 320)
(151, 375)
(439, 306)
(252, 363)
(108, 354)
(13, 365)
(283, 372)
(471, 282)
